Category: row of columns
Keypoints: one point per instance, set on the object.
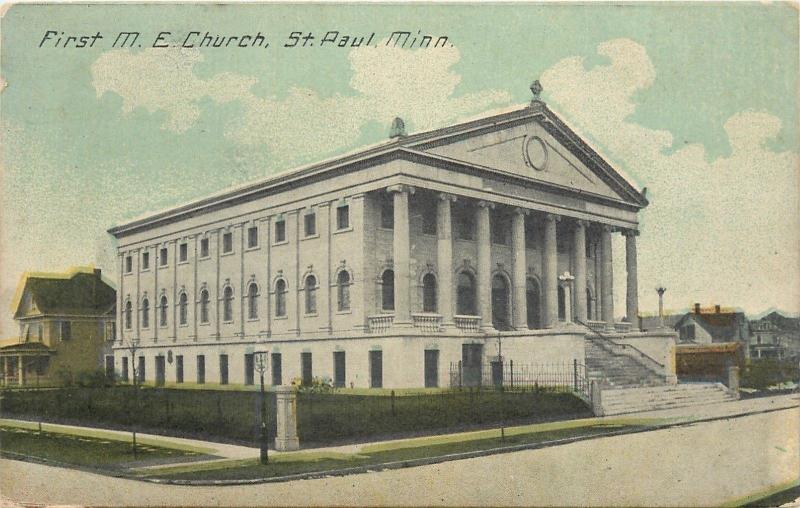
(549, 278)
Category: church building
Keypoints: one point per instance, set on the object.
(384, 267)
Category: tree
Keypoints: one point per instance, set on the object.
(131, 345)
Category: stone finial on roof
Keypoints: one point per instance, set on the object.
(398, 129)
(536, 90)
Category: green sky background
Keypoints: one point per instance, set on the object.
(75, 162)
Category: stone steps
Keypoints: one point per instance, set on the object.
(616, 370)
(631, 400)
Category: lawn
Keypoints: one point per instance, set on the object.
(374, 455)
(81, 450)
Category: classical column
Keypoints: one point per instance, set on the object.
(401, 255)
(444, 258)
(550, 272)
(632, 289)
(579, 270)
(484, 282)
(608, 278)
(21, 370)
(519, 303)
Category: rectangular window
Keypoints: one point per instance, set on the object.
(125, 368)
(160, 370)
(465, 223)
(339, 369)
(162, 259)
(376, 369)
(532, 234)
(688, 332)
(343, 217)
(128, 264)
(387, 213)
(431, 368)
(223, 369)
(109, 367)
(276, 369)
(252, 237)
(249, 369)
(179, 369)
(201, 369)
(227, 243)
(145, 261)
(204, 247)
(66, 330)
(280, 231)
(306, 369)
(183, 253)
(499, 230)
(310, 224)
(140, 373)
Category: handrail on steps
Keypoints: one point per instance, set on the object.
(608, 339)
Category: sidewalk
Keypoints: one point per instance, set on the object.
(226, 452)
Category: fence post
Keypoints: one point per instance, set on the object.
(575, 374)
(394, 413)
(459, 375)
(511, 367)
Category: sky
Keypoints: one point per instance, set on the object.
(696, 102)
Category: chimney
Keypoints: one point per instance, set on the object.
(697, 308)
(716, 309)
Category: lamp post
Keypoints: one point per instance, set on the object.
(661, 290)
(260, 365)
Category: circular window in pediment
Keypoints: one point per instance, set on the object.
(535, 153)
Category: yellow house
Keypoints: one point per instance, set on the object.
(65, 322)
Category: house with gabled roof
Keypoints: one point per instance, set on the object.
(713, 326)
(66, 322)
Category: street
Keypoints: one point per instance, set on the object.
(699, 464)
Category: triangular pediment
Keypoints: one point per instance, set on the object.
(529, 150)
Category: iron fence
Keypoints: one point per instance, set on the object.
(555, 377)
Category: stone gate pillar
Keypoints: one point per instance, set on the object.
(286, 437)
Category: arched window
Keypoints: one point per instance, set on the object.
(162, 312)
(465, 301)
(429, 293)
(562, 304)
(183, 302)
(387, 290)
(204, 306)
(145, 313)
(532, 301)
(252, 301)
(311, 294)
(128, 315)
(343, 290)
(280, 298)
(500, 299)
(227, 304)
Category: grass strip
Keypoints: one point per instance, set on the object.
(80, 450)
(310, 462)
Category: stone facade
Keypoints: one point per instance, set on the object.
(377, 268)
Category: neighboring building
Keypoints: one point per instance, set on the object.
(66, 322)
(383, 267)
(713, 326)
(775, 336)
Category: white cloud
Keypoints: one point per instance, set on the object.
(418, 86)
(724, 231)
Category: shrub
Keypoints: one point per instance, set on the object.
(761, 374)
